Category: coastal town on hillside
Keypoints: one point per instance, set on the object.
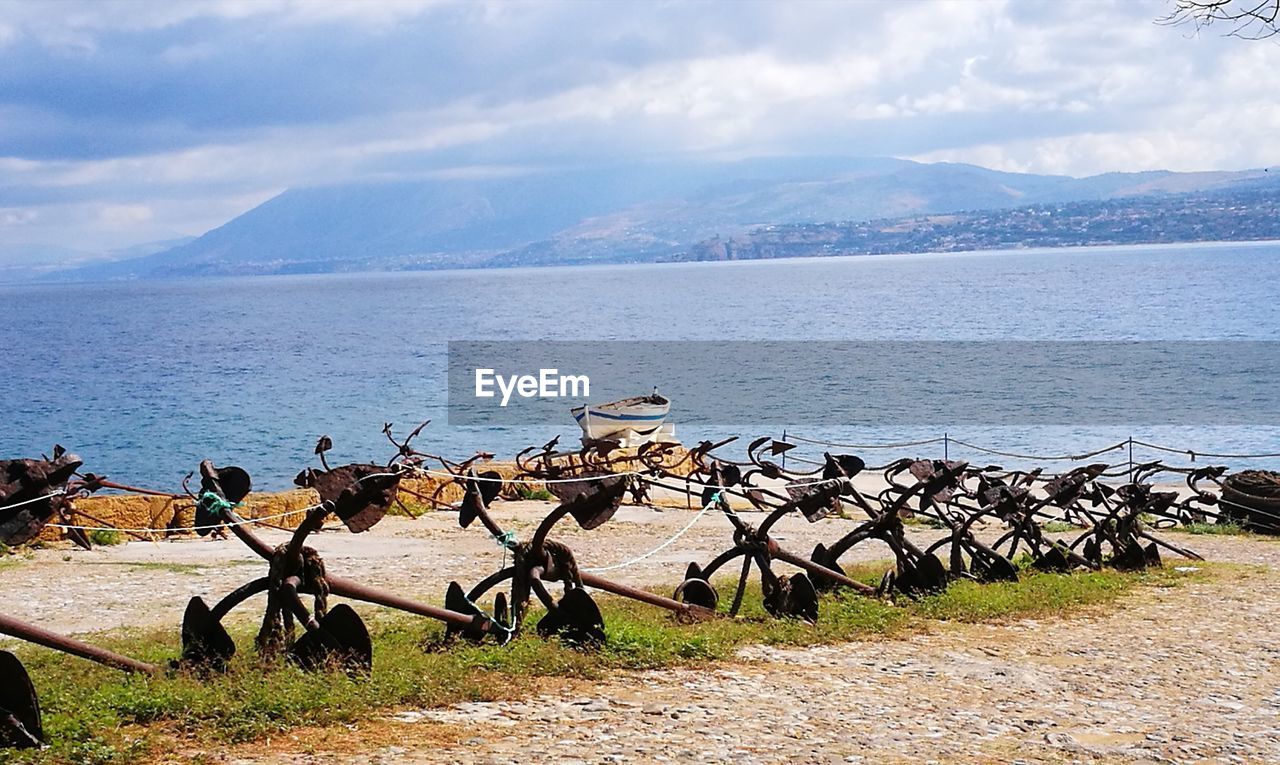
(1251, 214)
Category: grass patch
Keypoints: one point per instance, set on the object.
(96, 715)
(1059, 527)
(193, 569)
(412, 508)
(1214, 529)
(106, 537)
(525, 491)
(13, 557)
(1032, 596)
(923, 522)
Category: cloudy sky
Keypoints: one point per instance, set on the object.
(123, 122)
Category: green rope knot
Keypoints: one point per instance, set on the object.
(506, 540)
(216, 506)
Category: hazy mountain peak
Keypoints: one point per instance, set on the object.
(638, 211)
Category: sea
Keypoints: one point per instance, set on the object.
(144, 379)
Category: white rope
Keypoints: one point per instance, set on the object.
(57, 493)
(528, 481)
(660, 547)
(742, 489)
(171, 529)
(1192, 453)
(241, 522)
(899, 445)
(1271, 516)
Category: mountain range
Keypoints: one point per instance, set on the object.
(622, 213)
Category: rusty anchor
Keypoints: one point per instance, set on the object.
(915, 571)
(205, 641)
(590, 501)
(359, 495)
(33, 492)
(784, 595)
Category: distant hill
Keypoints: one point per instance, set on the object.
(27, 262)
(623, 213)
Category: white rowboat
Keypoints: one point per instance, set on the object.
(640, 414)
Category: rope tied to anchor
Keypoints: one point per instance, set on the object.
(508, 542)
(209, 502)
(277, 624)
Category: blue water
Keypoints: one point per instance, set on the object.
(145, 379)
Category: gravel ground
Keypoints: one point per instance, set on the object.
(1129, 687)
(1174, 675)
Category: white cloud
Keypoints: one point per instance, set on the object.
(93, 227)
(17, 216)
(131, 15)
(1183, 105)
(124, 216)
(1200, 147)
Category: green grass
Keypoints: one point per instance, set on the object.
(412, 508)
(105, 537)
(1032, 596)
(96, 715)
(194, 569)
(525, 491)
(14, 557)
(923, 521)
(1059, 527)
(1223, 529)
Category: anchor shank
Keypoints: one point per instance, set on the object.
(348, 589)
(600, 583)
(40, 636)
(823, 571)
(251, 540)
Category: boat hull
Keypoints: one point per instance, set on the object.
(641, 416)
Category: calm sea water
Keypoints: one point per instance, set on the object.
(145, 379)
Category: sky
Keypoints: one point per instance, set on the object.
(127, 122)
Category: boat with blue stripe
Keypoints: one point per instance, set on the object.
(640, 414)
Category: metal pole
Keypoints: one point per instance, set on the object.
(1130, 458)
(946, 446)
(41, 636)
(784, 454)
(354, 590)
(644, 596)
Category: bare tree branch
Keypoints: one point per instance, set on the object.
(1246, 19)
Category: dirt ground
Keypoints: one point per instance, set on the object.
(1186, 674)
